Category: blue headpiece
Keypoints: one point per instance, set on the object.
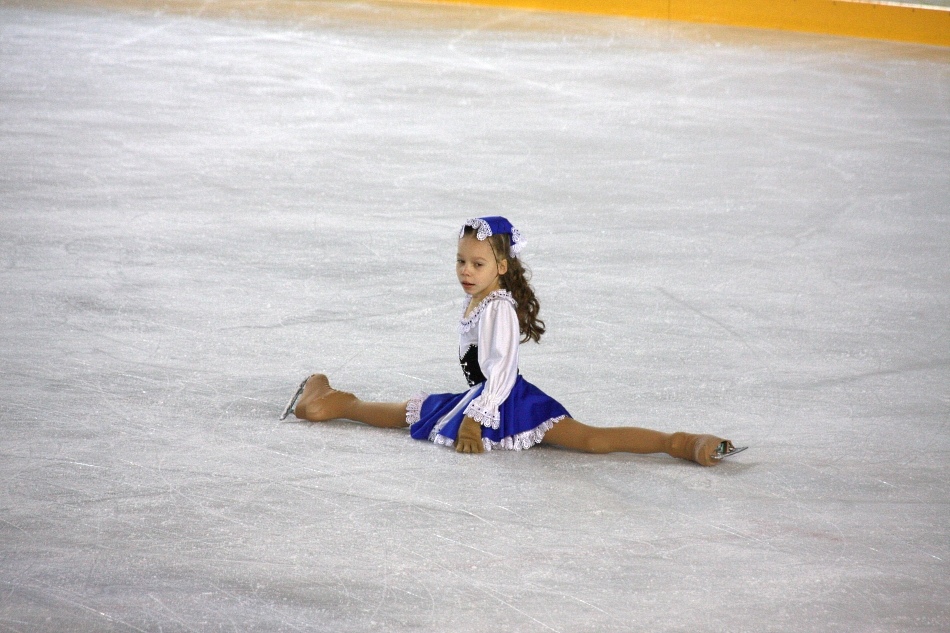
(496, 225)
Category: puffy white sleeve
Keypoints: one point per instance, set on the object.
(498, 339)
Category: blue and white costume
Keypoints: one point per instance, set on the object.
(513, 413)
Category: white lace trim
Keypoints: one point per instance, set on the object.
(414, 408)
(517, 242)
(483, 230)
(435, 438)
(523, 441)
(466, 324)
(486, 416)
(518, 442)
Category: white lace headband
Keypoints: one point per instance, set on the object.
(496, 225)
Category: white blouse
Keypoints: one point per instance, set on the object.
(493, 326)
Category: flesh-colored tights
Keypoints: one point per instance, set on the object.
(568, 433)
(321, 402)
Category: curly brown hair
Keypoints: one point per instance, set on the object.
(516, 281)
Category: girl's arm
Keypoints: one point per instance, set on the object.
(498, 339)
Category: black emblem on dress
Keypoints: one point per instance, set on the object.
(469, 362)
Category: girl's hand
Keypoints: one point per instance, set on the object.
(469, 437)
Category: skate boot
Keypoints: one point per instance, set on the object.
(321, 402)
(706, 450)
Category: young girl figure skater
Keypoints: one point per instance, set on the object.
(500, 410)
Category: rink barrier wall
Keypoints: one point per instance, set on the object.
(876, 20)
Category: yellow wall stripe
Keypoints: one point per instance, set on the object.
(878, 20)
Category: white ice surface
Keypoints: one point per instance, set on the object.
(735, 231)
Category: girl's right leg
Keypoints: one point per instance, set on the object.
(569, 433)
(320, 402)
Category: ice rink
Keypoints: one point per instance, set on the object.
(733, 231)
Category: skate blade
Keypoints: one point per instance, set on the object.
(727, 450)
(293, 401)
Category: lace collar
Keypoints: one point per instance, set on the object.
(467, 324)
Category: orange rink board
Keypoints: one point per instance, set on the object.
(877, 20)
(922, 24)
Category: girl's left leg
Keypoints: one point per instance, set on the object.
(320, 402)
(569, 433)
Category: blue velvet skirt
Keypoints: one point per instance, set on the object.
(526, 415)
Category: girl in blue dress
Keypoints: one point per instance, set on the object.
(500, 410)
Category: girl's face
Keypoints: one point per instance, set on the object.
(477, 270)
